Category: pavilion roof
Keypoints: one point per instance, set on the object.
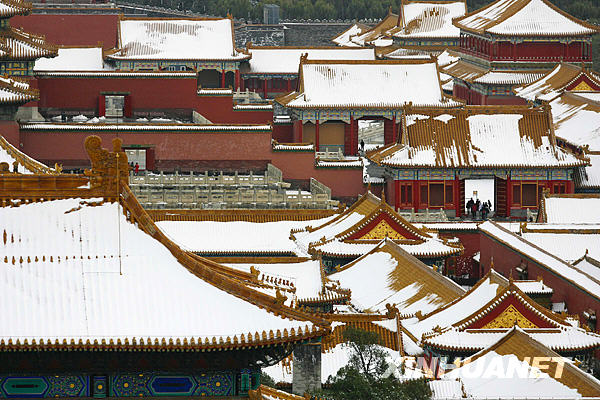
(285, 60)
(570, 209)
(524, 18)
(389, 275)
(345, 38)
(543, 258)
(508, 308)
(377, 32)
(88, 256)
(562, 78)
(589, 177)
(376, 84)
(27, 165)
(523, 348)
(576, 118)
(206, 39)
(10, 8)
(476, 137)
(428, 19)
(360, 228)
(16, 44)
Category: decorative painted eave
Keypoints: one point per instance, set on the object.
(15, 91)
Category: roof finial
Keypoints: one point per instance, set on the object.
(369, 186)
(383, 195)
(492, 263)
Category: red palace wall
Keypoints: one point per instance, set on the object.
(283, 133)
(145, 95)
(72, 29)
(171, 150)
(506, 260)
(10, 131)
(345, 183)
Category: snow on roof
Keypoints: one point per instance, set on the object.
(533, 287)
(508, 77)
(524, 17)
(305, 276)
(73, 59)
(552, 84)
(286, 60)
(26, 165)
(577, 120)
(516, 137)
(15, 91)
(484, 375)
(482, 293)
(10, 8)
(424, 19)
(339, 223)
(235, 236)
(78, 281)
(589, 177)
(344, 38)
(542, 257)
(373, 84)
(572, 209)
(16, 44)
(445, 389)
(395, 277)
(170, 39)
(377, 32)
(567, 246)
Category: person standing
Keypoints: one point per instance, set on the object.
(136, 168)
(470, 207)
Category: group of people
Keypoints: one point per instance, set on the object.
(483, 208)
(135, 168)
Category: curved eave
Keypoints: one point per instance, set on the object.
(245, 57)
(476, 348)
(164, 344)
(581, 163)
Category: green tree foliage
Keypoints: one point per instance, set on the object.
(363, 377)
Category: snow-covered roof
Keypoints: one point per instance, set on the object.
(77, 261)
(577, 120)
(485, 375)
(73, 59)
(367, 84)
(524, 17)
(345, 38)
(552, 84)
(589, 177)
(483, 292)
(377, 32)
(574, 209)
(542, 258)
(235, 237)
(177, 39)
(10, 8)
(569, 245)
(360, 228)
(16, 44)
(426, 19)
(533, 287)
(286, 60)
(26, 165)
(478, 137)
(394, 277)
(508, 77)
(15, 91)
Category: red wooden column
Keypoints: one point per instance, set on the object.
(388, 131)
(237, 79)
(265, 88)
(416, 192)
(317, 124)
(354, 137)
(102, 105)
(456, 194)
(222, 78)
(394, 130)
(242, 85)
